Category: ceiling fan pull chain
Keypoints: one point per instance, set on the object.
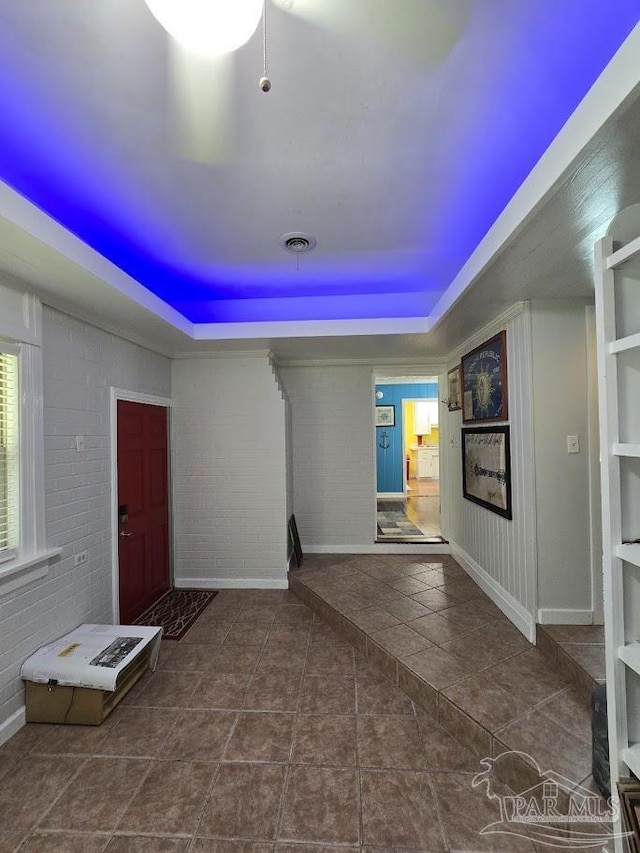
(265, 83)
(264, 39)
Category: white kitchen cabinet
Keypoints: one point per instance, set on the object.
(426, 416)
(435, 464)
(422, 426)
(428, 459)
(433, 413)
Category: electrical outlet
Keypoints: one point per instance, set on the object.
(79, 443)
(573, 444)
(80, 558)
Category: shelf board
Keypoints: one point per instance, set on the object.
(629, 553)
(624, 344)
(631, 757)
(624, 254)
(631, 450)
(630, 655)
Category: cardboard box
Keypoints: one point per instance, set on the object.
(80, 678)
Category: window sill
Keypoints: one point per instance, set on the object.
(14, 575)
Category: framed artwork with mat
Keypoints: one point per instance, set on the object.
(454, 383)
(385, 416)
(486, 468)
(484, 381)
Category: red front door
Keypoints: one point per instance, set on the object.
(143, 507)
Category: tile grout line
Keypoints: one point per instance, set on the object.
(358, 767)
(287, 774)
(214, 779)
(434, 793)
(56, 799)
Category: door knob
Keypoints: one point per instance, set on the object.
(124, 535)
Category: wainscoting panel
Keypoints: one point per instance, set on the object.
(505, 550)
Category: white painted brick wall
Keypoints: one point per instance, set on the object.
(333, 455)
(288, 438)
(229, 472)
(80, 365)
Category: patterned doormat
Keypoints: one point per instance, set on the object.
(176, 611)
(396, 524)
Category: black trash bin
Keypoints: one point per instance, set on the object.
(600, 740)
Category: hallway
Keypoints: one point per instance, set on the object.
(420, 508)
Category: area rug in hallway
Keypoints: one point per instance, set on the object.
(395, 523)
(176, 611)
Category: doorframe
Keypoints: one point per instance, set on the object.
(117, 394)
(437, 371)
(414, 400)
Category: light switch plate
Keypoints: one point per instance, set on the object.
(573, 444)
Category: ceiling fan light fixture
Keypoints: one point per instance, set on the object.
(208, 27)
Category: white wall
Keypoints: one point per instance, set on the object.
(500, 554)
(560, 365)
(229, 473)
(288, 447)
(333, 456)
(80, 365)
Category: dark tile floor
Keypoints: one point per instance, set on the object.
(438, 636)
(577, 651)
(264, 732)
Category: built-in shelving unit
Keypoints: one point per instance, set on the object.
(618, 332)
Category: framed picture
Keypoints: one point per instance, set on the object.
(385, 416)
(484, 382)
(486, 468)
(454, 385)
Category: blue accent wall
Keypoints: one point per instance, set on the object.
(390, 462)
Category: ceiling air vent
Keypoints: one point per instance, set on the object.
(297, 243)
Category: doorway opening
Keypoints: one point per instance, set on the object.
(407, 459)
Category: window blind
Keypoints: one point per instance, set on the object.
(9, 455)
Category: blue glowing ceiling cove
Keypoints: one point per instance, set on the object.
(84, 110)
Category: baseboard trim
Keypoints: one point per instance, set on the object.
(231, 583)
(390, 496)
(548, 616)
(379, 548)
(12, 725)
(521, 618)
